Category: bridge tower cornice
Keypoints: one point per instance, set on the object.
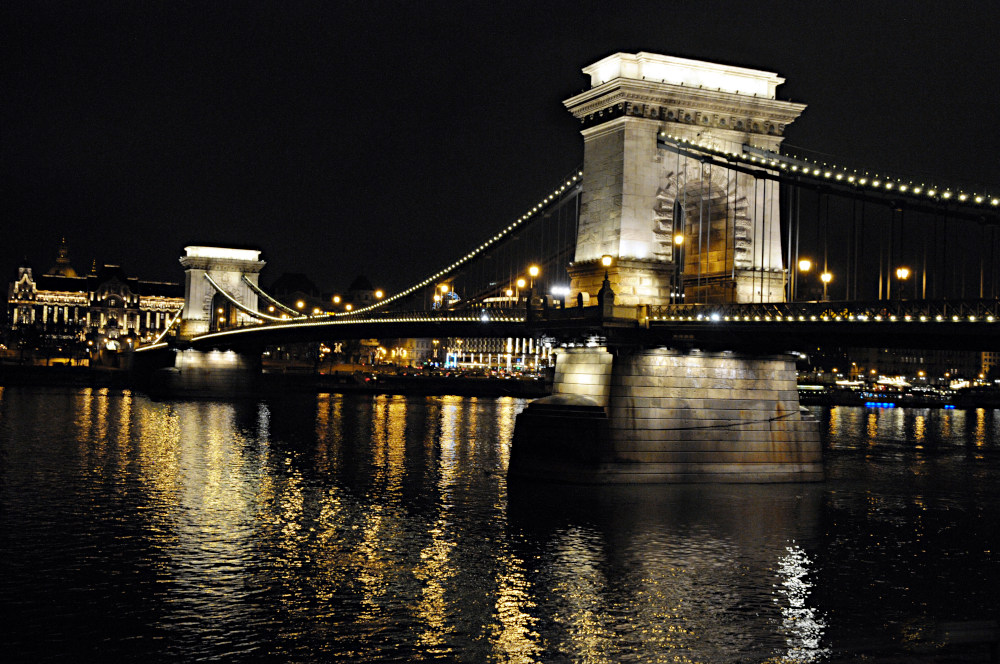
(679, 107)
(223, 264)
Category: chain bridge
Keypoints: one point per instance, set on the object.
(674, 272)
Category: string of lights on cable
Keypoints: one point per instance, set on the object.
(810, 168)
(530, 214)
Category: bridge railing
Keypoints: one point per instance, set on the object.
(878, 310)
(485, 314)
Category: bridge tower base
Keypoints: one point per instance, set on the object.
(660, 415)
(207, 374)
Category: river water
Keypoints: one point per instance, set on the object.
(324, 527)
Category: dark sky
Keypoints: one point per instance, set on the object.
(389, 137)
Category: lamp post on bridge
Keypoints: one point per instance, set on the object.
(804, 265)
(678, 286)
(533, 271)
(902, 273)
(826, 278)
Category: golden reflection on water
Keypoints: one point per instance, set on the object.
(231, 511)
(215, 511)
(436, 569)
(512, 634)
(872, 429)
(187, 480)
(372, 567)
(578, 592)
(471, 426)
(378, 439)
(329, 432)
(979, 433)
(919, 430)
(505, 413)
(946, 424)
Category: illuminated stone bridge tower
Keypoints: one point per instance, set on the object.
(227, 268)
(637, 197)
(623, 412)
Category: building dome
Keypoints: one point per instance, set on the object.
(361, 284)
(62, 268)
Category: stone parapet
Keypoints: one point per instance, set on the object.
(634, 282)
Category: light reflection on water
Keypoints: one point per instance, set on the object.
(335, 528)
(803, 624)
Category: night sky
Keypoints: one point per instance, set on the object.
(387, 138)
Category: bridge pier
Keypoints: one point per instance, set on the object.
(207, 374)
(661, 415)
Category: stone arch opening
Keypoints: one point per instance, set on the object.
(223, 314)
(710, 211)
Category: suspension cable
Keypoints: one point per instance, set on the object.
(236, 303)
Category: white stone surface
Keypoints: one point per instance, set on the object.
(227, 268)
(682, 71)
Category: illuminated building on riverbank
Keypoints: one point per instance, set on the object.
(103, 310)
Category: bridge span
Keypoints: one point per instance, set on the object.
(799, 326)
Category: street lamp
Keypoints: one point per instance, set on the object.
(804, 266)
(826, 278)
(533, 271)
(902, 273)
(379, 294)
(606, 261)
(678, 287)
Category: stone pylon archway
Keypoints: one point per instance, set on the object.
(720, 230)
(227, 267)
(632, 185)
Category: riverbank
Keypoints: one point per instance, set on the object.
(465, 386)
(961, 399)
(279, 382)
(63, 375)
(282, 382)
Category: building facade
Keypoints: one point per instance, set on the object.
(61, 311)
